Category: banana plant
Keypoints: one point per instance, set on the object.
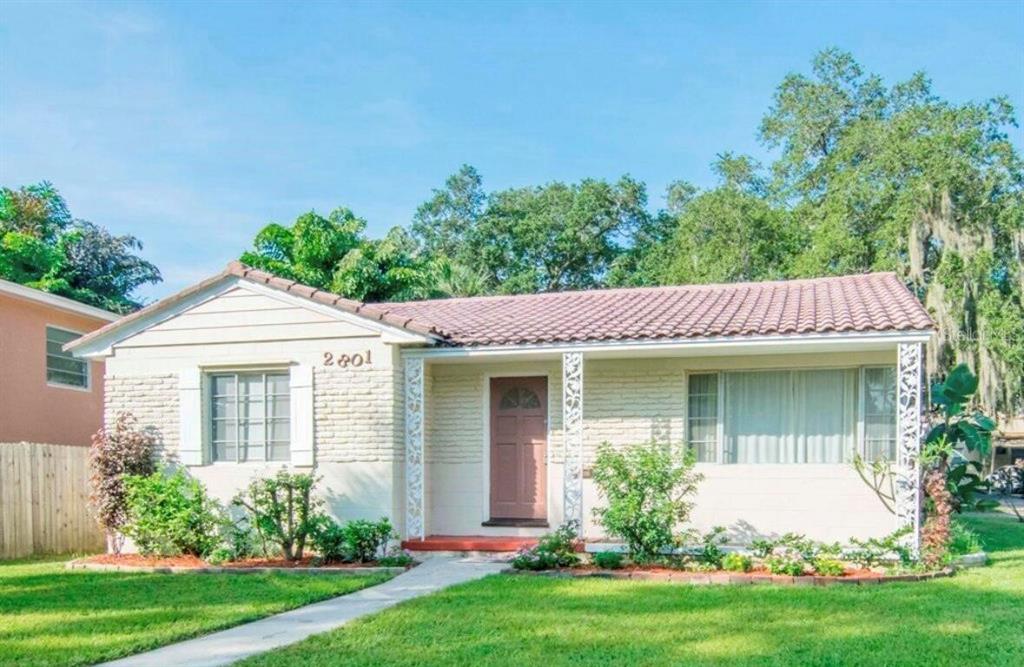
(955, 443)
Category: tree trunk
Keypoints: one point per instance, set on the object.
(935, 534)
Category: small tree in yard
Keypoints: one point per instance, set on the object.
(950, 485)
(283, 510)
(646, 487)
(117, 452)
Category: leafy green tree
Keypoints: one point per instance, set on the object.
(727, 234)
(334, 254)
(442, 222)
(895, 178)
(42, 246)
(534, 239)
(557, 236)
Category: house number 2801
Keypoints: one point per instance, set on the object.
(345, 360)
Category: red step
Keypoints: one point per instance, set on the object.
(469, 543)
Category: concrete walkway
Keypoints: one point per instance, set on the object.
(227, 646)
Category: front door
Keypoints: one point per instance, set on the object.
(519, 443)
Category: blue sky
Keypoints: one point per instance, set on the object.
(192, 125)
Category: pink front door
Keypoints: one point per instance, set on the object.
(519, 427)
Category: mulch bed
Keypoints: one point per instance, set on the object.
(861, 577)
(178, 564)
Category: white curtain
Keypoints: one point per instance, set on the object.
(790, 416)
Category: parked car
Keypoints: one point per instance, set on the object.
(1007, 479)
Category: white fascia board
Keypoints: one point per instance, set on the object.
(56, 301)
(724, 343)
(103, 345)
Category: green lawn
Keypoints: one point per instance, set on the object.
(975, 618)
(49, 616)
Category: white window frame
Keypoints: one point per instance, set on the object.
(718, 407)
(208, 417)
(862, 430)
(46, 366)
(860, 433)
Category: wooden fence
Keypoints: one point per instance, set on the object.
(44, 500)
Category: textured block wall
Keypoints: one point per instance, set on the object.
(358, 415)
(152, 399)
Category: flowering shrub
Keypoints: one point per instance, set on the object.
(877, 550)
(736, 562)
(557, 549)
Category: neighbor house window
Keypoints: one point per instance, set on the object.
(702, 416)
(62, 368)
(880, 413)
(250, 416)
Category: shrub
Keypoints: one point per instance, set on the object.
(646, 488)
(282, 510)
(328, 538)
(366, 541)
(608, 560)
(711, 547)
(737, 562)
(557, 549)
(874, 551)
(399, 559)
(829, 567)
(170, 515)
(763, 548)
(785, 564)
(964, 540)
(116, 452)
(238, 540)
(358, 541)
(219, 556)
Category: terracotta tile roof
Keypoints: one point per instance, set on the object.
(875, 302)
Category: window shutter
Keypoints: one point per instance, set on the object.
(190, 428)
(302, 415)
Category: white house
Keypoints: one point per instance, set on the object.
(481, 416)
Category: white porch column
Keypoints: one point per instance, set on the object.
(909, 422)
(572, 435)
(415, 510)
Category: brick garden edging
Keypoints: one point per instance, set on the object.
(219, 569)
(732, 578)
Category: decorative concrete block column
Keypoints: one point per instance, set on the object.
(572, 432)
(415, 510)
(909, 431)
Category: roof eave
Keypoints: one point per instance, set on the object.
(810, 340)
(34, 295)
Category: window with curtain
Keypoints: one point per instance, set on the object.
(250, 416)
(806, 416)
(880, 413)
(702, 416)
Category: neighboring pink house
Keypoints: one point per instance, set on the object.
(46, 394)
